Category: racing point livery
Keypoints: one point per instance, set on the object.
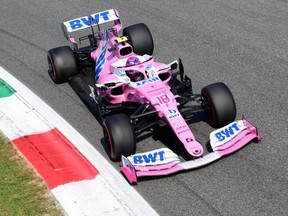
(130, 93)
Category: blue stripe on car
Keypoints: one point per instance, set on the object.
(102, 57)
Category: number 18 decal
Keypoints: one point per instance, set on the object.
(163, 99)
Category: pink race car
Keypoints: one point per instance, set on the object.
(130, 92)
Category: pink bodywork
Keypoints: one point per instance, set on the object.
(153, 90)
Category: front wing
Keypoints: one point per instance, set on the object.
(164, 161)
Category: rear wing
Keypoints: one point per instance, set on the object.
(90, 21)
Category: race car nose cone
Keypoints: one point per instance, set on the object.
(196, 151)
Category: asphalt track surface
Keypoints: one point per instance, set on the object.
(241, 43)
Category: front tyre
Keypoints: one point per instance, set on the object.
(62, 64)
(221, 105)
(119, 136)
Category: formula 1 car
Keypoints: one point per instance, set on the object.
(133, 93)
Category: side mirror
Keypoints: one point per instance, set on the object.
(110, 84)
(173, 65)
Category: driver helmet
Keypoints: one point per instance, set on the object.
(132, 61)
(134, 75)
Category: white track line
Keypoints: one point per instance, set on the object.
(126, 200)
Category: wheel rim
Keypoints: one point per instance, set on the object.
(211, 110)
(108, 139)
(51, 68)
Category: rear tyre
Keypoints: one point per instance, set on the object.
(119, 136)
(140, 38)
(221, 105)
(62, 64)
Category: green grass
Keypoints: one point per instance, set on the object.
(22, 192)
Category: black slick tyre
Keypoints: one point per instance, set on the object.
(119, 136)
(221, 105)
(140, 38)
(62, 64)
